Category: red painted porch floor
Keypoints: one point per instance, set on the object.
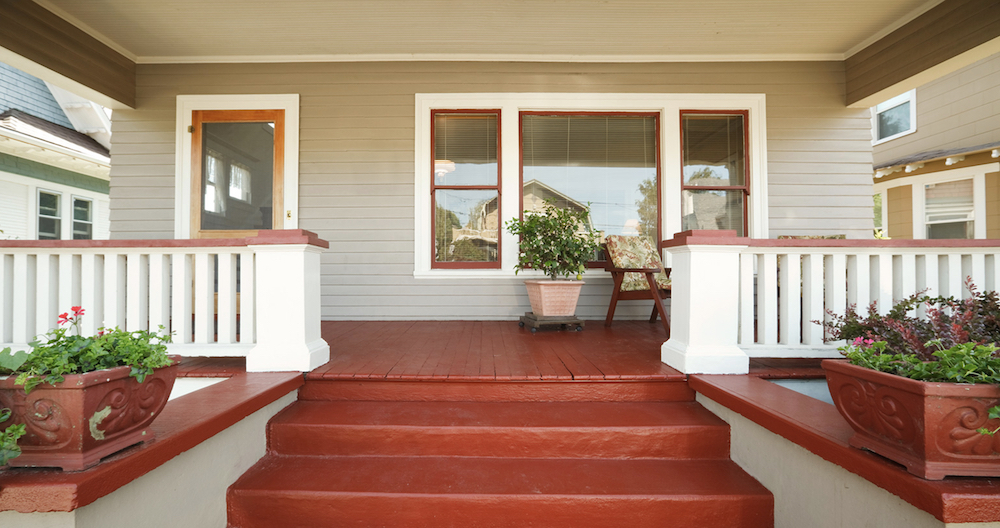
(492, 351)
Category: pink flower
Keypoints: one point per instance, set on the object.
(77, 310)
(63, 318)
(858, 341)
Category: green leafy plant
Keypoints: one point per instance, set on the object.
(8, 439)
(557, 241)
(64, 351)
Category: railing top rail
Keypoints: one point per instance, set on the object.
(729, 238)
(263, 237)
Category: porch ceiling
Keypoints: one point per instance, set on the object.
(154, 31)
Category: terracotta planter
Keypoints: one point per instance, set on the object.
(928, 427)
(89, 416)
(553, 298)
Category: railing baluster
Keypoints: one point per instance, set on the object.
(927, 278)
(180, 320)
(6, 298)
(835, 280)
(746, 299)
(790, 297)
(114, 290)
(204, 297)
(24, 298)
(159, 291)
(883, 282)
(976, 270)
(137, 317)
(812, 298)
(46, 292)
(247, 298)
(767, 299)
(92, 292)
(227, 298)
(69, 281)
(859, 280)
(951, 269)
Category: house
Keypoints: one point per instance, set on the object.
(936, 155)
(295, 164)
(54, 178)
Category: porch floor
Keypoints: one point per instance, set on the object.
(492, 351)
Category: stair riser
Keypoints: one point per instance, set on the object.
(511, 391)
(292, 510)
(673, 442)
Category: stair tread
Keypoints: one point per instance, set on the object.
(464, 476)
(496, 414)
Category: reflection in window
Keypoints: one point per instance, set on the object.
(49, 221)
(233, 151)
(83, 219)
(465, 189)
(715, 187)
(949, 210)
(606, 162)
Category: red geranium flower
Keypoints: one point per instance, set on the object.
(77, 310)
(63, 318)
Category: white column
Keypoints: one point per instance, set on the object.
(705, 311)
(288, 309)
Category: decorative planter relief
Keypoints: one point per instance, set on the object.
(931, 428)
(89, 416)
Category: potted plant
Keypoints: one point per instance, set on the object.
(923, 391)
(80, 398)
(558, 242)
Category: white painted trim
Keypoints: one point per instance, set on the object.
(182, 169)
(482, 57)
(510, 106)
(978, 175)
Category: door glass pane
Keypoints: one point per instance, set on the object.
(714, 153)
(249, 202)
(712, 210)
(894, 121)
(465, 225)
(465, 149)
(949, 210)
(608, 163)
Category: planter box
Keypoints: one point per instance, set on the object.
(553, 298)
(89, 416)
(928, 427)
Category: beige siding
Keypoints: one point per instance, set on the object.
(900, 208)
(957, 111)
(993, 205)
(356, 162)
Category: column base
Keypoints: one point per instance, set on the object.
(720, 359)
(288, 357)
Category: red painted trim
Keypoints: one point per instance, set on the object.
(183, 424)
(705, 237)
(729, 238)
(818, 427)
(434, 187)
(287, 236)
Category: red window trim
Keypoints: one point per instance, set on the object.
(434, 187)
(656, 148)
(746, 162)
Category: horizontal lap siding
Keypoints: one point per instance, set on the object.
(356, 162)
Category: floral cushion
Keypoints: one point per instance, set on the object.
(635, 252)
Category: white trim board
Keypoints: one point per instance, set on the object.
(182, 169)
(511, 104)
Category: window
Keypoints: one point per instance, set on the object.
(894, 118)
(465, 189)
(238, 168)
(83, 219)
(949, 209)
(607, 162)
(715, 182)
(49, 217)
(238, 160)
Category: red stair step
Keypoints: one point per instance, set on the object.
(298, 491)
(534, 429)
(317, 388)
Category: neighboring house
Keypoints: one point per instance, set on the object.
(937, 157)
(54, 179)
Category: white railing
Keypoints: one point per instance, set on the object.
(204, 292)
(736, 298)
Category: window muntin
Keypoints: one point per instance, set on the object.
(949, 209)
(237, 173)
(715, 182)
(83, 219)
(607, 162)
(465, 188)
(49, 216)
(894, 118)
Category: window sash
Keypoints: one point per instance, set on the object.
(743, 190)
(83, 228)
(50, 217)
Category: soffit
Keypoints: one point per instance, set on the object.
(157, 31)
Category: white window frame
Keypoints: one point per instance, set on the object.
(512, 104)
(182, 188)
(73, 220)
(60, 209)
(911, 97)
(978, 176)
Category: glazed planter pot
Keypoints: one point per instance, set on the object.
(931, 428)
(73, 424)
(553, 298)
